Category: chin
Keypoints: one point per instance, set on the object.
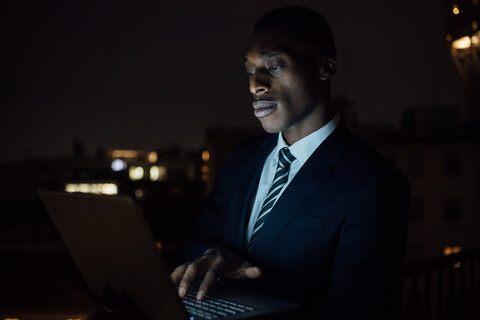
(270, 128)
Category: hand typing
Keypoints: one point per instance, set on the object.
(214, 263)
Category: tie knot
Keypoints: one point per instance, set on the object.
(285, 158)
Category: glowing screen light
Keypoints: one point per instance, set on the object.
(118, 165)
(135, 173)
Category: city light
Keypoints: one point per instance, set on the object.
(206, 156)
(158, 173)
(139, 194)
(451, 250)
(152, 157)
(124, 154)
(118, 165)
(96, 188)
(109, 188)
(462, 43)
(455, 9)
(205, 169)
(476, 39)
(154, 173)
(135, 173)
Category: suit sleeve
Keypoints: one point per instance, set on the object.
(367, 270)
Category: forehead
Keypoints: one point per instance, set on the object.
(276, 40)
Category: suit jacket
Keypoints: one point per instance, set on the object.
(335, 239)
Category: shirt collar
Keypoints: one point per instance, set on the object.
(303, 148)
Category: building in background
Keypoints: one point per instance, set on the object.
(442, 163)
(463, 37)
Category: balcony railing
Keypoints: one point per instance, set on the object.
(447, 288)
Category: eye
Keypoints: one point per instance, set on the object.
(274, 68)
(250, 72)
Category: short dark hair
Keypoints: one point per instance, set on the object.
(308, 23)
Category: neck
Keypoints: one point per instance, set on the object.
(310, 125)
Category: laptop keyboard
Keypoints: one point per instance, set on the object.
(212, 308)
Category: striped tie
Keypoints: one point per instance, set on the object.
(281, 177)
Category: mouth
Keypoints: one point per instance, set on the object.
(263, 108)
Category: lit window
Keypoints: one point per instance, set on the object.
(154, 173)
(124, 154)
(451, 250)
(205, 169)
(152, 157)
(109, 188)
(118, 165)
(206, 156)
(139, 194)
(97, 188)
(158, 173)
(476, 39)
(135, 173)
(462, 43)
(84, 187)
(94, 188)
(71, 187)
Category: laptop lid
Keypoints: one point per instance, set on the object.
(113, 248)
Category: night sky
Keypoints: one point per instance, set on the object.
(148, 74)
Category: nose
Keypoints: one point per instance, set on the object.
(259, 83)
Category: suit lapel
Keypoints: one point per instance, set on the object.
(311, 176)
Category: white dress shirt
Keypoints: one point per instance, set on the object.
(301, 150)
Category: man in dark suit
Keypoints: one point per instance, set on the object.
(310, 213)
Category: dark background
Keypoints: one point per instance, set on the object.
(148, 74)
(82, 78)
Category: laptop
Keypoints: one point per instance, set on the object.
(114, 250)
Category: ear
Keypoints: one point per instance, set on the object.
(328, 69)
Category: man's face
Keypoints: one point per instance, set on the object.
(284, 81)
